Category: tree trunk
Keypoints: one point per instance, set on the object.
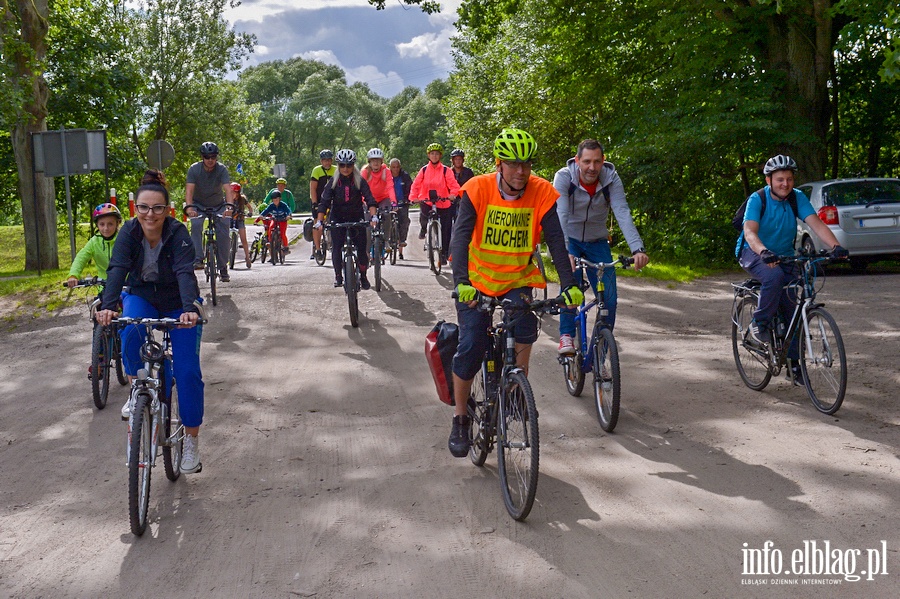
(40, 223)
(800, 47)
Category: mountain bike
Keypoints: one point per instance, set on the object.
(106, 349)
(377, 255)
(258, 246)
(391, 234)
(155, 421)
(823, 361)
(433, 238)
(502, 410)
(325, 245)
(209, 233)
(278, 251)
(351, 269)
(600, 353)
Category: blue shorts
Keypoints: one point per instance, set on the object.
(473, 337)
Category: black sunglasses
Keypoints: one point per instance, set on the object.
(208, 156)
(345, 164)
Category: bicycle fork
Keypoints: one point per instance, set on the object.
(157, 414)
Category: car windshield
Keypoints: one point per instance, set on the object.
(860, 193)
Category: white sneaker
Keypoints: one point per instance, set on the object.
(566, 346)
(190, 455)
(126, 409)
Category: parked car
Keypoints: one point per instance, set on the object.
(864, 215)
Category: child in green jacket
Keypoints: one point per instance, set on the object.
(99, 247)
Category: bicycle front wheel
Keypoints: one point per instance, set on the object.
(254, 250)
(234, 246)
(211, 271)
(434, 247)
(378, 251)
(140, 463)
(393, 244)
(752, 362)
(174, 432)
(117, 356)
(479, 420)
(351, 287)
(572, 371)
(265, 251)
(518, 446)
(607, 381)
(823, 362)
(276, 246)
(101, 359)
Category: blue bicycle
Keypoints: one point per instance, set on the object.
(599, 354)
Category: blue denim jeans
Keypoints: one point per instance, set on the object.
(595, 251)
(772, 296)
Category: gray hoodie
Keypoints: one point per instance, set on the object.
(583, 217)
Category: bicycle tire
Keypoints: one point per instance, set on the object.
(276, 246)
(234, 246)
(518, 446)
(378, 250)
(829, 359)
(434, 247)
(254, 250)
(213, 272)
(607, 379)
(393, 244)
(351, 287)
(140, 464)
(320, 254)
(172, 427)
(117, 356)
(573, 374)
(264, 252)
(753, 364)
(101, 358)
(479, 424)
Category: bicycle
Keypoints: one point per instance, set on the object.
(258, 246)
(539, 262)
(379, 246)
(502, 410)
(391, 234)
(351, 269)
(433, 238)
(277, 249)
(155, 421)
(106, 349)
(600, 353)
(823, 361)
(325, 245)
(209, 262)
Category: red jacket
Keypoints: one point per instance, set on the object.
(438, 177)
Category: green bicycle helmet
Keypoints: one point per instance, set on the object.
(434, 147)
(514, 145)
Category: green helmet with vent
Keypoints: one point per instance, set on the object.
(514, 145)
(435, 147)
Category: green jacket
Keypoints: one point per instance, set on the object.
(286, 196)
(97, 248)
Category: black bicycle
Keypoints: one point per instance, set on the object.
(209, 266)
(278, 250)
(351, 274)
(155, 420)
(391, 224)
(502, 409)
(823, 361)
(106, 348)
(379, 246)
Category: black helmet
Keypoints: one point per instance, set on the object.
(325, 154)
(275, 194)
(457, 152)
(208, 148)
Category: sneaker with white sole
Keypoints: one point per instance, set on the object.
(126, 409)
(757, 334)
(190, 455)
(566, 346)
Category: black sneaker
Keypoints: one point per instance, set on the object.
(224, 277)
(421, 234)
(364, 282)
(339, 282)
(198, 266)
(459, 442)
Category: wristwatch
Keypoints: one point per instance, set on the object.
(639, 251)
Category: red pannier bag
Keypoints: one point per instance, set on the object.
(440, 345)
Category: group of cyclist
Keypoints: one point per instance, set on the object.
(491, 222)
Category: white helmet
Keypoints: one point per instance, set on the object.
(375, 153)
(345, 156)
(779, 163)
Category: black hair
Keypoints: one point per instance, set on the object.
(153, 187)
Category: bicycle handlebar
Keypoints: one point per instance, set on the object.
(165, 323)
(207, 211)
(486, 303)
(82, 283)
(625, 261)
(362, 223)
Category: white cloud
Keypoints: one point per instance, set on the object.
(435, 46)
(385, 84)
(260, 50)
(257, 10)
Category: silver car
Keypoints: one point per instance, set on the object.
(864, 215)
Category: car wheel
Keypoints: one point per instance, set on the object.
(858, 264)
(809, 248)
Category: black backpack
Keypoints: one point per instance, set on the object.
(738, 220)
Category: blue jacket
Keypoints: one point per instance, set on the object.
(281, 212)
(176, 286)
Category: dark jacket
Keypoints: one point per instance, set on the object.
(347, 202)
(176, 287)
(406, 181)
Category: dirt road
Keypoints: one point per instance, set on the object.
(326, 471)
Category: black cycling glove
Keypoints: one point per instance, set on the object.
(839, 252)
(768, 257)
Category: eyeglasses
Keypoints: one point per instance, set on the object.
(517, 166)
(145, 208)
(342, 165)
(209, 156)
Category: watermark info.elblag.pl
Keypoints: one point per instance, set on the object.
(813, 563)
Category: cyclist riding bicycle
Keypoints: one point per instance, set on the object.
(436, 177)
(319, 178)
(768, 233)
(402, 187)
(209, 186)
(380, 180)
(588, 188)
(345, 200)
(242, 210)
(99, 248)
(154, 257)
(281, 214)
(287, 197)
(460, 171)
(501, 215)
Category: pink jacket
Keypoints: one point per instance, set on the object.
(381, 183)
(437, 177)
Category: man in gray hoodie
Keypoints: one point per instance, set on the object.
(588, 187)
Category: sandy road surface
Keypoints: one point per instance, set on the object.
(326, 472)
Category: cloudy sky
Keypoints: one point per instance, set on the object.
(387, 49)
